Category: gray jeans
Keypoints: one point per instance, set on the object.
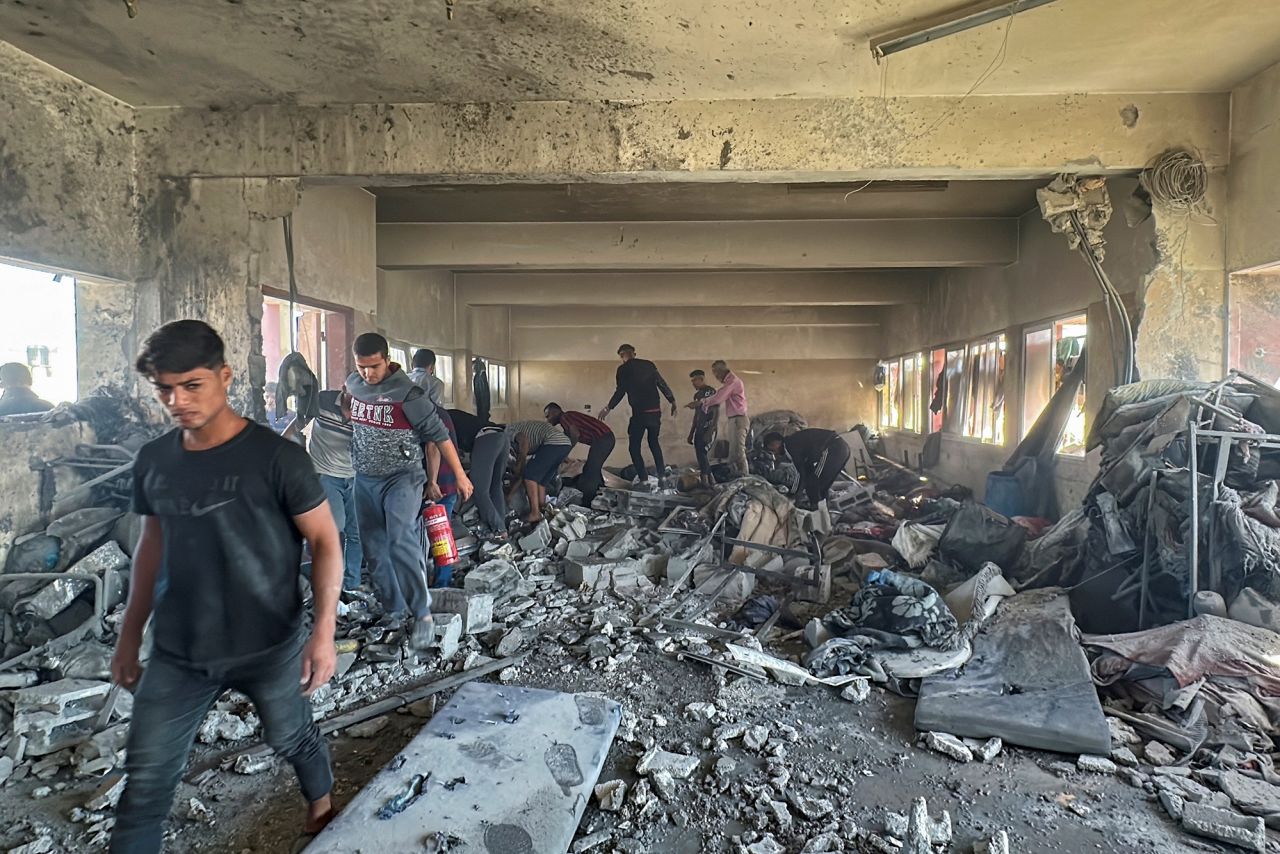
(171, 703)
(390, 512)
(488, 465)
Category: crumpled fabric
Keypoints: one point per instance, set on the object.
(916, 542)
(1205, 646)
(297, 380)
(761, 514)
(754, 613)
(778, 471)
(852, 656)
(901, 610)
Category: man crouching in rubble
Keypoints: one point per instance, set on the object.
(225, 504)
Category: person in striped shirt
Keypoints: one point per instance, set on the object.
(592, 432)
(540, 449)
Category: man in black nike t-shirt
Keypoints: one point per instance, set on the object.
(226, 504)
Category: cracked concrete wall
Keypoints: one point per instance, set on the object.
(205, 240)
(1253, 221)
(68, 198)
(1182, 329)
(334, 246)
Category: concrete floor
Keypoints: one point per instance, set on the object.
(860, 756)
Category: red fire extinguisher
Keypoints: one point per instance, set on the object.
(444, 549)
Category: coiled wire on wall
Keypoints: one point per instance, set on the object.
(1177, 179)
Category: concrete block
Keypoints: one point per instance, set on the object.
(448, 629)
(948, 745)
(1249, 832)
(537, 539)
(653, 566)
(579, 549)
(593, 572)
(623, 544)
(1096, 764)
(476, 608)
(57, 715)
(498, 578)
(656, 760)
(530, 757)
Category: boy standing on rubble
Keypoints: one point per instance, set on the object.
(225, 506)
(702, 433)
(394, 420)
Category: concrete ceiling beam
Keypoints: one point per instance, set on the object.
(692, 289)
(666, 345)
(776, 244)
(807, 139)
(695, 317)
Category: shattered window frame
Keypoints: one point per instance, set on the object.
(444, 372)
(498, 373)
(983, 397)
(1050, 376)
(911, 376)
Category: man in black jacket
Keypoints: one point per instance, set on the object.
(640, 381)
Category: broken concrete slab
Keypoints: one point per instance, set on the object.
(499, 578)
(448, 631)
(1249, 795)
(656, 760)
(537, 539)
(948, 745)
(1248, 832)
(1096, 764)
(476, 609)
(1052, 705)
(530, 759)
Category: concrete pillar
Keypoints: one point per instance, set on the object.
(1182, 328)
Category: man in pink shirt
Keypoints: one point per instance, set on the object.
(733, 395)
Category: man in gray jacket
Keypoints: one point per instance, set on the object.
(394, 421)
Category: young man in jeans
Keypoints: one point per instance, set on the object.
(225, 506)
(394, 419)
(640, 382)
(330, 450)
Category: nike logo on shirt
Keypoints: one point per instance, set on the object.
(206, 509)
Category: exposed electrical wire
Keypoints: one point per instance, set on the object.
(996, 63)
(1125, 369)
(1177, 179)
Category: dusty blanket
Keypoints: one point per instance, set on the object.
(762, 515)
(1194, 649)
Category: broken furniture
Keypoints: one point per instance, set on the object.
(500, 768)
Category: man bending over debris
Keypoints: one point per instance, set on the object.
(640, 381)
(590, 431)
(394, 419)
(540, 449)
(820, 455)
(225, 506)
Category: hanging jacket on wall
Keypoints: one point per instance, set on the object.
(297, 380)
(480, 388)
